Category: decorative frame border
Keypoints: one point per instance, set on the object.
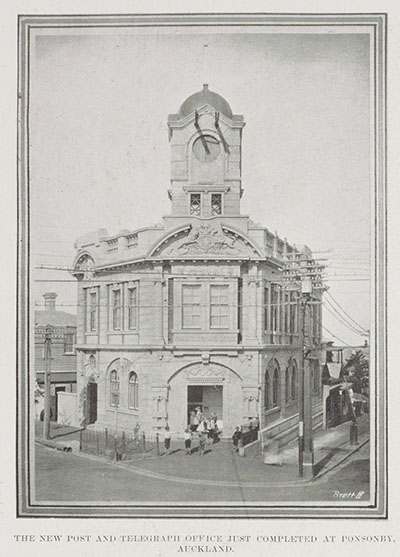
(377, 24)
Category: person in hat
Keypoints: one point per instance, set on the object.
(188, 441)
(167, 440)
(237, 435)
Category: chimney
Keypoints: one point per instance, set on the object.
(50, 301)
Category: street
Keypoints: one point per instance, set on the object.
(72, 477)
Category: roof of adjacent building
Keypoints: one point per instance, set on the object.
(205, 96)
(55, 318)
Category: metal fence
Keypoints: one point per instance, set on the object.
(124, 445)
(249, 435)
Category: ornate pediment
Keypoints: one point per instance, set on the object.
(205, 239)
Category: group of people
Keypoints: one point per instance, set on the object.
(201, 424)
(205, 428)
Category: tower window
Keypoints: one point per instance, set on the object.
(216, 204)
(195, 203)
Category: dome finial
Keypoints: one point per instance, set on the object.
(205, 86)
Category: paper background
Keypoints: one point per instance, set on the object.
(9, 524)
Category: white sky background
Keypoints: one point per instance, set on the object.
(100, 154)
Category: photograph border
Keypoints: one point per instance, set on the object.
(25, 506)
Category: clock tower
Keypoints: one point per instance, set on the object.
(206, 169)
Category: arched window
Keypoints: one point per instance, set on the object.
(133, 391)
(92, 362)
(287, 383)
(275, 388)
(266, 390)
(294, 383)
(114, 388)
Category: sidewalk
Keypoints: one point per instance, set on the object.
(219, 466)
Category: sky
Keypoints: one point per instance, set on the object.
(100, 156)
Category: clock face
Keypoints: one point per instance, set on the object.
(206, 148)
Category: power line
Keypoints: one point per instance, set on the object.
(343, 322)
(344, 311)
(359, 330)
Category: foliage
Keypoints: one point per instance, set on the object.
(357, 368)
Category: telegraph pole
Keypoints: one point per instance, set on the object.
(305, 274)
(47, 383)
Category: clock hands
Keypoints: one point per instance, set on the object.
(203, 140)
(216, 123)
(219, 131)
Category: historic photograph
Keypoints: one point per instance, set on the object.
(201, 271)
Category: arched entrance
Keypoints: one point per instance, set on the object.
(214, 388)
(91, 397)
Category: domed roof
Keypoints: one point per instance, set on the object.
(203, 97)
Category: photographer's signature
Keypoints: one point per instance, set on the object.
(348, 494)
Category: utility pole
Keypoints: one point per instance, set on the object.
(305, 274)
(47, 383)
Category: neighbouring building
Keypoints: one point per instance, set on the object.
(63, 355)
(193, 311)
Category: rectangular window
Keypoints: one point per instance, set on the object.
(93, 311)
(293, 313)
(286, 309)
(266, 308)
(69, 341)
(195, 204)
(117, 309)
(216, 204)
(219, 306)
(132, 308)
(274, 307)
(191, 310)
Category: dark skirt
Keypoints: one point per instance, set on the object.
(188, 443)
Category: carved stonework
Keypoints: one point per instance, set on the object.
(206, 371)
(250, 401)
(91, 368)
(159, 395)
(206, 374)
(205, 238)
(85, 264)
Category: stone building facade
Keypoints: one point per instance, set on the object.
(193, 311)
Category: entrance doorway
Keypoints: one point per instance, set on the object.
(208, 398)
(92, 403)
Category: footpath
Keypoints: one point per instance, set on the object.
(219, 466)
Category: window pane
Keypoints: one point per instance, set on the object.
(132, 308)
(133, 391)
(93, 311)
(116, 309)
(195, 204)
(216, 204)
(191, 311)
(266, 308)
(114, 388)
(219, 306)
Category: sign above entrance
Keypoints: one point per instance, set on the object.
(205, 380)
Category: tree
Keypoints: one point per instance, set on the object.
(357, 368)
